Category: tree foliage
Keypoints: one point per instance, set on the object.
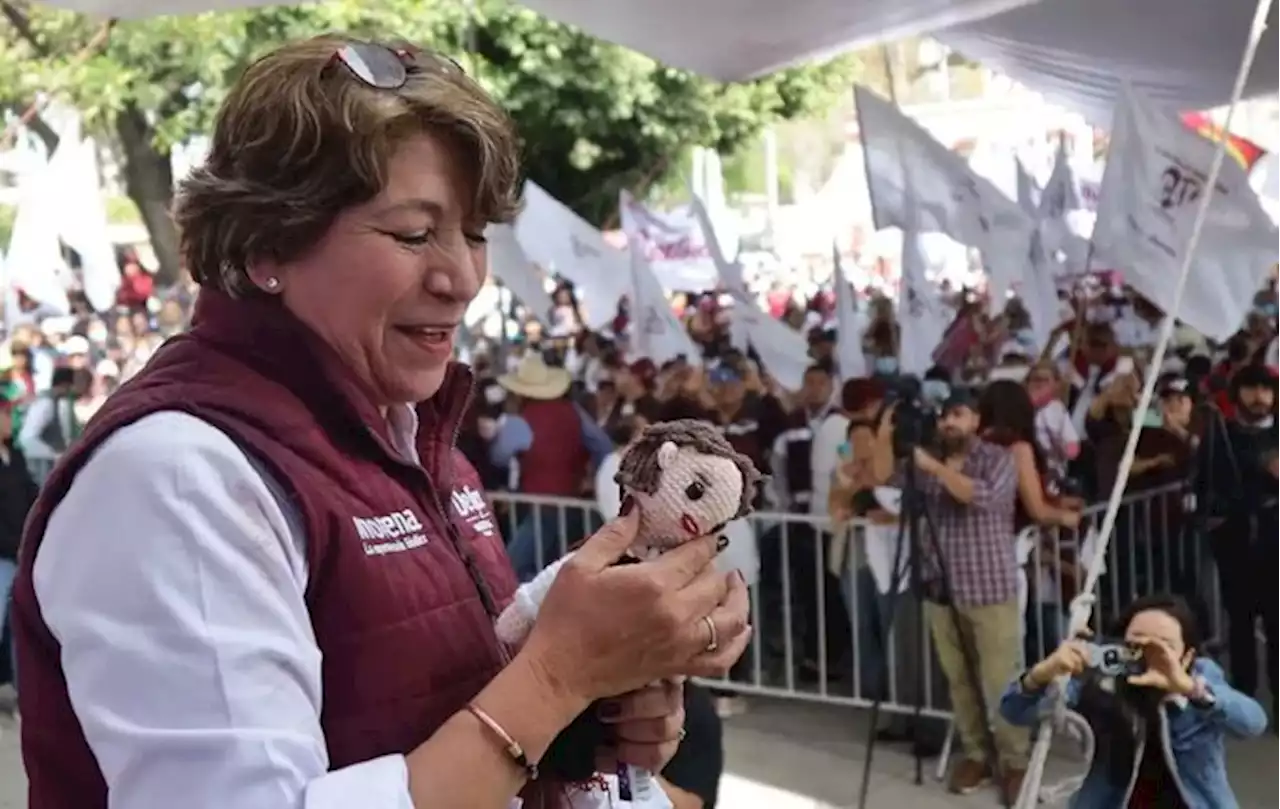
(595, 117)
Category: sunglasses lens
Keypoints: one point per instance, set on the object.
(374, 65)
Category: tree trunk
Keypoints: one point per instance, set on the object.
(148, 178)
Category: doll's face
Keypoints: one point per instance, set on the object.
(697, 494)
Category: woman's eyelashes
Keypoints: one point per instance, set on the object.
(410, 239)
(429, 236)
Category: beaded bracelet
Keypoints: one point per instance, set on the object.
(513, 748)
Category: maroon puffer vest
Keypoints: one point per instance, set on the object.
(406, 640)
(557, 461)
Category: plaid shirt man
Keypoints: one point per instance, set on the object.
(976, 539)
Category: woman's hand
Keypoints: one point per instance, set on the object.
(647, 725)
(1068, 660)
(1164, 670)
(605, 630)
(1069, 519)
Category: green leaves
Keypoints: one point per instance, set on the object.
(595, 118)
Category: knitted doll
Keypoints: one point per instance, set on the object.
(687, 482)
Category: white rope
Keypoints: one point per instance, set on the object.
(1082, 605)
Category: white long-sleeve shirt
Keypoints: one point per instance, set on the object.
(828, 436)
(43, 410)
(172, 574)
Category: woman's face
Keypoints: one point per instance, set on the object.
(1161, 627)
(1042, 385)
(1177, 409)
(387, 285)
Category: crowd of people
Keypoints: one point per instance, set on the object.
(293, 435)
(1026, 441)
(1023, 441)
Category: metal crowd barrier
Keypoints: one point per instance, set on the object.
(819, 615)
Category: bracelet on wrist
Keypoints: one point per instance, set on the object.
(513, 748)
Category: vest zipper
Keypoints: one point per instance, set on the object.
(452, 534)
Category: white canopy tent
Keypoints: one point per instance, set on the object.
(1075, 52)
(1181, 52)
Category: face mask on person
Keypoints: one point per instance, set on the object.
(886, 365)
(1152, 418)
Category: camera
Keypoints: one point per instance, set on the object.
(1115, 660)
(915, 417)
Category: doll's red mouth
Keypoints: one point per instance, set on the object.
(690, 525)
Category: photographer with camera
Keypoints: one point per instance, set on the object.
(971, 599)
(1158, 711)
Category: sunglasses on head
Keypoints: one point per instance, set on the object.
(387, 68)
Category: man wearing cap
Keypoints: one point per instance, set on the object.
(1238, 484)
(969, 489)
(556, 445)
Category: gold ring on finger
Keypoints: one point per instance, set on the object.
(713, 643)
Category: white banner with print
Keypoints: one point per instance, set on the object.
(567, 245)
(674, 244)
(949, 197)
(1155, 174)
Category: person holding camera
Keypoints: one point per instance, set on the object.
(1159, 712)
(969, 577)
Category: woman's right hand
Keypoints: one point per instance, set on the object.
(608, 629)
(1068, 660)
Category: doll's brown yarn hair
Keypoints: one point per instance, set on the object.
(638, 469)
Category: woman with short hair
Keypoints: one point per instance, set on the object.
(265, 576)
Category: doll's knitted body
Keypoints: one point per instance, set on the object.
(687, 483)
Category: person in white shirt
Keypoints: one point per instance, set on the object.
(265, 577)
(50, 424)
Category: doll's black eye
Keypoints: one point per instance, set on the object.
(695, 490)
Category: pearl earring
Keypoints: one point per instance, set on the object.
(273, 283)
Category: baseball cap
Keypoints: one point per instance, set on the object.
(1173, 384)
(960, 397)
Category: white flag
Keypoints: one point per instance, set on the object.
(673, 243)
(729, 274)
(922, 317)
(509, 264)
(1156, 172)
(783, 351)
(1028, 190)
(849, 322)
(564, 243)
(949, 196)
(82, 215)
(34, 260)
(656, 332)
(1061, 216)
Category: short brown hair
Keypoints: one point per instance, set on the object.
(638, 469)
(296, 142)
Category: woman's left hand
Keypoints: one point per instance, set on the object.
(647, 725)
(1164, 670)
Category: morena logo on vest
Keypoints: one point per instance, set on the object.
(396, 532)
(469, 504)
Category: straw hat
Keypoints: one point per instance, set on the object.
(534, 379)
